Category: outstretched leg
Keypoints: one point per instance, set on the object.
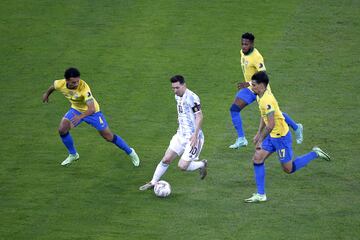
(120, 143)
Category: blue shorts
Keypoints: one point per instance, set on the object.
(246, 95)
(97, 120)
(282, 145)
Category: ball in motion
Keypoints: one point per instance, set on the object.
(162, 188)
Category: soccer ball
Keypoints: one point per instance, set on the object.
(162, 189)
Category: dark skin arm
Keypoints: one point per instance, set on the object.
(45, 97)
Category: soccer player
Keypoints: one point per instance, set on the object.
(252, 62)
(189, 139)
(84, 108)
(274, 136)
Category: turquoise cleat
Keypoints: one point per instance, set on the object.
(134, 158)
(299, 133)
(240, 142)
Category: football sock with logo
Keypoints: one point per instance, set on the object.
(290, 122)
(302, 161)
(195, 165)
(259, 172)
(236, 120)
(118, 141)
(159, 171)
(68, 142)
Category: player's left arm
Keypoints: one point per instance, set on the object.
(198, 123)
(259, 64)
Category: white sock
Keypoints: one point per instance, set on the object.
(159, 171)
(195, 165)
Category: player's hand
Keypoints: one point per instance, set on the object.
(258, 145)
(75, 120)
(193, 140)
(45, 98)
(243, 85)
(256, 138)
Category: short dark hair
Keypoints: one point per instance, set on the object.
(248, 36)
(177, 78)
(261, 77)
(71, 73)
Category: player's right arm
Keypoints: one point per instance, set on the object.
(46, 95)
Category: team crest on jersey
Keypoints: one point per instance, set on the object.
(89, 94)
(261, 65)
(268, 107)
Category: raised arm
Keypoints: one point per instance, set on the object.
(45, 97)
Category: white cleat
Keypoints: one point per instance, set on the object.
(321, 154)
(134, 158)
(146, 186)
(70, 159)
(256, 198)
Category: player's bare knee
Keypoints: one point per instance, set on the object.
(182, 167)
(166, 160)
(108, 138)
(287, 170)
(63, 131)
(257, 160)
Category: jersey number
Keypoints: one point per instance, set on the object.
(193, 150)
(180, 109)
(281, 153)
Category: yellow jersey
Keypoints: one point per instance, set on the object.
(251, 63)
(267, 104)
(77, 97)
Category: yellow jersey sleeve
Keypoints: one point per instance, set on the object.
(268, 104)
(86, 93)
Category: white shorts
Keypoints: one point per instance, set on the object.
(181, 146)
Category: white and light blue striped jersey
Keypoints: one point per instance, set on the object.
(187, 106)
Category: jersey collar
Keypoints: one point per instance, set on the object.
(250, 51)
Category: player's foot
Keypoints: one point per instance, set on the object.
(240, 142)
(146, 186)
(256, 198)
(203, 170)
(299, 133)
(70, 159)
(321, 154)
(134, 158)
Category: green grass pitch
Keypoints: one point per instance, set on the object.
(126, 51)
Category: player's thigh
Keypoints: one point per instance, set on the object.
(97, 120)
(283, 147)
(177, 144)
(244, 97)
(192, 153)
